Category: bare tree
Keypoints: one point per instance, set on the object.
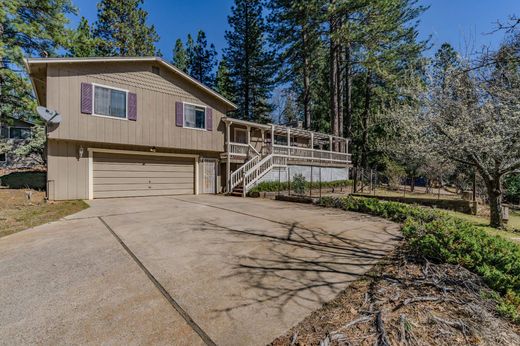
(474, 118)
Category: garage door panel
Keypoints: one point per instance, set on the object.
(141, 193)
(141, 180)
(126, 175)
(126, 187)
(172, 167)
(137, 174)
(144, 167)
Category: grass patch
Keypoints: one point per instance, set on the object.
(442, 238)
(511, 231)
(18, 213)
(273, 186)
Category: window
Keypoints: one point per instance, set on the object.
(4, 132)
(19, 133)
(109, 102)
(194, 116)
(3, 157)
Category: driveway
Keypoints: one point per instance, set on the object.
(187, 270)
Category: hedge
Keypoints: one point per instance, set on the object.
(24, 180)
(273, 186)
(442, 238)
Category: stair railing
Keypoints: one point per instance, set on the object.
(260, 169)
(238, 175)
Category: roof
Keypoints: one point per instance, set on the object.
(29, 62)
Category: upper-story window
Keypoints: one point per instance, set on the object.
(19, 133)
(110, 102)
(194, 116)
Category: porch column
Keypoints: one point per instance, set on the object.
(330, 147)
(248, 135)
(228, 161)
(272, 138)
(312, 144)
(262, 131)
(289, 141)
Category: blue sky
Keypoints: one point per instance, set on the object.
(463, 23)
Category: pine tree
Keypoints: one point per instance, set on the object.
(121, 25)
(30, 28)
(180, 58)
(82, 42)
(250, 64)
(294, 28)
(223, 84)
(203, 60)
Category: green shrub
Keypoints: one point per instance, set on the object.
(24, 180)
(442, 238)
(299, 183)
(273, 186)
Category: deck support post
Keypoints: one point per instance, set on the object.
(228, 161)
(272, 138)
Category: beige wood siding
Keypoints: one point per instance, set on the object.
(125, 175)
(156, 97)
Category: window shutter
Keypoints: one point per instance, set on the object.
(179, 118)
(209, 119)
(86, 98)
(132, 106)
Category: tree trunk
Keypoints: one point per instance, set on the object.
(364, 120)
(347, 108)
(495, 202)
(334, 117)
(306, 83)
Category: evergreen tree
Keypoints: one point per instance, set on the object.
(82, 42)
(180, 58)
(294, 28)
(121, 26)
(203, 60)
(250, 64)
(30, 28)
(223, 84)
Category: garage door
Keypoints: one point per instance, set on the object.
(124, 175)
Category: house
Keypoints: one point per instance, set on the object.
(15, 132)
(141, 127)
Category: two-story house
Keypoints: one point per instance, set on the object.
(141, 127)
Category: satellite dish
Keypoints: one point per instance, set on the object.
(48, 115)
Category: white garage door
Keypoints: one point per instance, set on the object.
(126, 175)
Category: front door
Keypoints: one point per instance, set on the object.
(209, 182)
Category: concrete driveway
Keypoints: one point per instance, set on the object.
(188, 270)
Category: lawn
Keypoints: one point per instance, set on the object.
(483, 223)
(17, 212)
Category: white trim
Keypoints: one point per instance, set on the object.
(91, 152)
(90, 174)
(35, 61)
(94, 85)
(184, 116)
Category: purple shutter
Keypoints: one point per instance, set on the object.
(86, 98)
(179, 117)
(209, 119)
(132, 106)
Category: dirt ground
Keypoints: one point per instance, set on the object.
(405, 303)
(24, 208)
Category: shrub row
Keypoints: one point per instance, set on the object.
(442, 238)
(273, 186)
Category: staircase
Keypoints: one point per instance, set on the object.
(245, 177)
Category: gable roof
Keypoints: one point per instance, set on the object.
(29, 62)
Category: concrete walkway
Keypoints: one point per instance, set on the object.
(187, 270)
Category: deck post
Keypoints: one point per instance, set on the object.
(228, 161)
(248, 135)
(330, 147)
(272, 139)
(289, 141)
(312, 144)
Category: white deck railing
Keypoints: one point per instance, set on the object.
(308, 154)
